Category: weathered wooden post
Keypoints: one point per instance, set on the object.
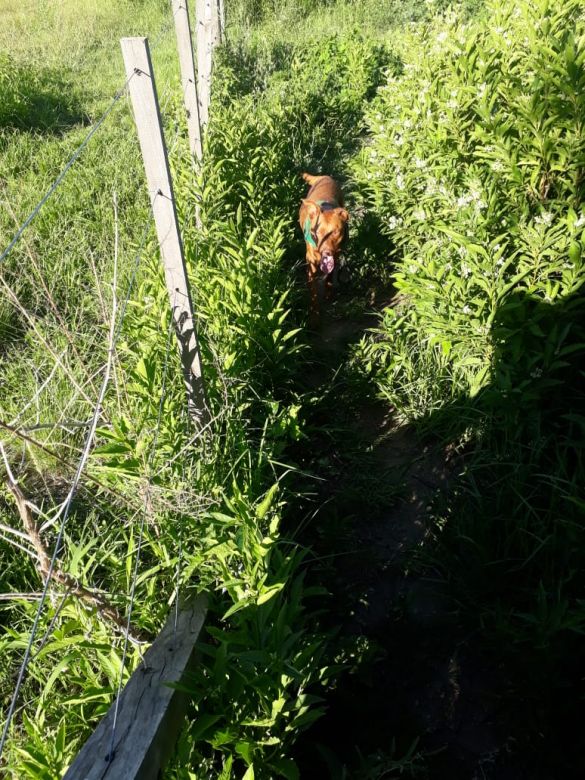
(207, 19)
(221, 18)
(188, 80)
(148, 124)
(150, 712)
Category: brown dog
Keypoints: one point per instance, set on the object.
(324, 224)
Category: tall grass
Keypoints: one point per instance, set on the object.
(217, 509)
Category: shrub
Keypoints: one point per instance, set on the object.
(475, 168)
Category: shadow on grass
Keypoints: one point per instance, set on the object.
(458, 604)
(41, 100)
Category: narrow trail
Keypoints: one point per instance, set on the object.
(417, 686)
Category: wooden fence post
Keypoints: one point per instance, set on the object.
(221, 20)
(150, 712)
(148, 124)
(188, 80)
(207, 19)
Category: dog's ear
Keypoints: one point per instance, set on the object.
(343, 214)
(312, 209)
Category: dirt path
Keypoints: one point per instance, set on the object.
(416, 699)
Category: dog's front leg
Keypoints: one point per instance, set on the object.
(329, 285)
(312, 269)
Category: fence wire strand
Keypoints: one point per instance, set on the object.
(114, 335)
(66, 168)
(57, 181)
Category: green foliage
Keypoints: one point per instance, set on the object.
(31, 98)
(259, 686)
(220, 500)
(474, 168)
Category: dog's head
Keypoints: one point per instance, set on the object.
(325, 229)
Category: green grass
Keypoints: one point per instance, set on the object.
(224, 502)
(299, 86)
(67, 64)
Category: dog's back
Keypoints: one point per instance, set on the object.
(324, 189)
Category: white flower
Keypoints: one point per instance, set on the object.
(465, 270)
(497, 166)
(394, 222)
(545, 218)
(412, 269)
(464, 200)
(461, 251)
(420, 215)
(580, 222)
(466, 309)
(418, 163)
(453, 104)
(400, 181)
(442, 36)
(536, 374)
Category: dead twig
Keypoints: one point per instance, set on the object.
(76, 588)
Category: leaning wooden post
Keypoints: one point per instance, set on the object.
(151, 709)
(207, 38)
(221, 20)
(188, 80)
(148, 124)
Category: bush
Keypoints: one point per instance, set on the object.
(475, 170)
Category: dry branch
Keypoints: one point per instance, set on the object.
(63, 578)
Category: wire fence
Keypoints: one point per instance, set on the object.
(17, 426)
(63, 512)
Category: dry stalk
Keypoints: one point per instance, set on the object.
(49, 297)
(32, 322)
(90, 596)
